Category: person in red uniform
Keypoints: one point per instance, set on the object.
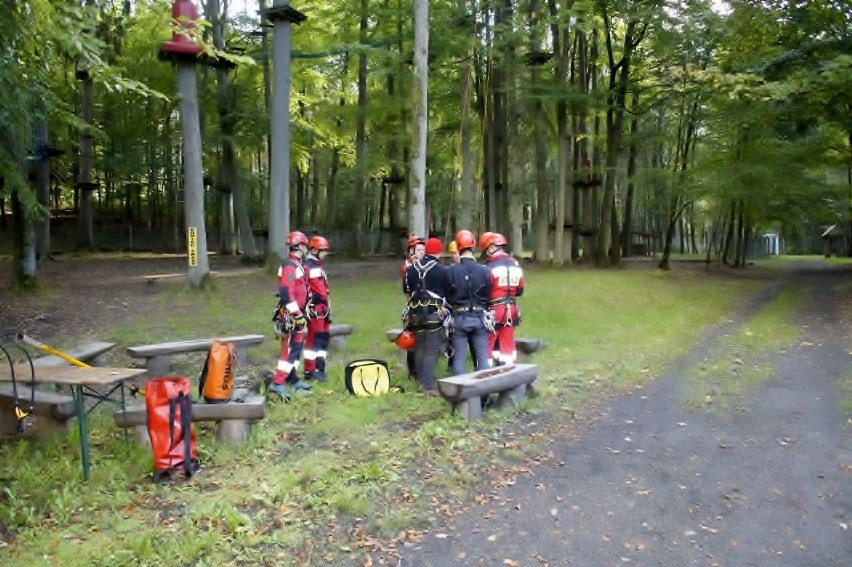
(507, 283)
(415, 249)
(319, 309)
(291, 316)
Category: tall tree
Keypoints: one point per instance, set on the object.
(419, 112)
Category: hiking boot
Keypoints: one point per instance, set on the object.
(279, 390)
(316, 375)
(299, 385)
(428, 391)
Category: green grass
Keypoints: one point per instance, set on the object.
(328, 471)
(718, 384)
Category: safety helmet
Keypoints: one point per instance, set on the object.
(319, 243)
(496, 239)
(483, 240)
(465, 239)
(405, 340)
(452, 247)
(295, 238)
(413, 241)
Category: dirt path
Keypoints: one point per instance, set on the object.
(654, 483)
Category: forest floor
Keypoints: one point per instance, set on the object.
(651, 480)
(644, 478)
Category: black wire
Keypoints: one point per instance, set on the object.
(12, 371)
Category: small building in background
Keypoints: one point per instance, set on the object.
(835, 240)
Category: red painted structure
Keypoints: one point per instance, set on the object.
(185, 13)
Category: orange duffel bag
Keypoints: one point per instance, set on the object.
(217, 377)
(169, 406)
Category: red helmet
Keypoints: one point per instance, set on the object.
(405, 340)
(483, 240)
(496, 239)
(465, 239)
(413, 241)
(319, 243)
(295, 238)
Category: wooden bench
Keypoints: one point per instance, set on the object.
(158, 357)
(526, 346)
(233, 419)
(464, 392)
(337, 336)
(51, 410)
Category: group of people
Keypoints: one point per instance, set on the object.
(303, 315)
(468, 304)
(448, 309)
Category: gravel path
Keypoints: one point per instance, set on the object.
(652, 482)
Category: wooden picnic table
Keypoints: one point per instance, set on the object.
(99, 383)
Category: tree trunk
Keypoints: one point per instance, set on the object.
(233, 201)
(43, 189)
(627, 226)
(279, 182)
(193, 187)
(360, 212)
(562, 239)
(542, 248)
(24, 266)
(86, 234)
(419, 110)
(619, 78)
(466, 165)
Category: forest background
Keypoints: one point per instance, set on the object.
(584, 130)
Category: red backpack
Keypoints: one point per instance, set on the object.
(169, 407)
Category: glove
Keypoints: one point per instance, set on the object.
(299, 320)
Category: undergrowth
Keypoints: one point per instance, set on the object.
(329, 477)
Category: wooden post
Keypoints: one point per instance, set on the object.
(282, 16)
(183, 51)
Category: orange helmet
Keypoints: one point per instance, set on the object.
(413, 241)
(318, 242)
(465, 239)
(405, 340)
(295, 238)
(494, 238)
(483, 240)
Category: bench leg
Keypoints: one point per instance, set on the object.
(233, 430)
(242, 354)
(470, 409)
(523, 357)
(158, 366)
(337, 342)
(140, 433)
(511, 397)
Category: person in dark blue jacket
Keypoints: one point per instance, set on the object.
(468, 291)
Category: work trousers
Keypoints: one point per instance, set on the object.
(501, 343)
(429, 346)
(316, 345)
(288, 360)
(469, 328)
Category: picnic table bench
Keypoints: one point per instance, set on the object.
(158, 356)
(464, 392)
(337, 336)
(52, 409)
(233, 419)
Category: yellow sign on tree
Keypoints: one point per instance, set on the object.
(192, 246)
